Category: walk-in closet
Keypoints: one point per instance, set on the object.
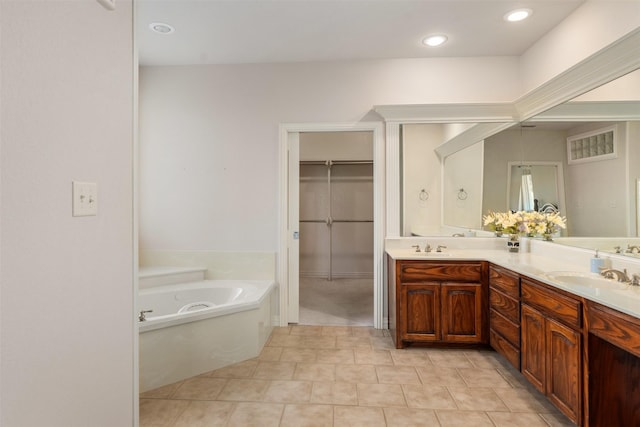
(336, 228)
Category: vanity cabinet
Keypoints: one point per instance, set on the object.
(441, 302)
(504, 314)
(614, 367)
(551, 346)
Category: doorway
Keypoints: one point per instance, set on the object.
(336, 228)
(288, 274)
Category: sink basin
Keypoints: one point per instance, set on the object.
(589, 280)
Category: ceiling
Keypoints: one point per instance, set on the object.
(268, 31)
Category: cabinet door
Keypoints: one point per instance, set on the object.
(564, 352)
(462, 312)
(533, 351)
(420, 311)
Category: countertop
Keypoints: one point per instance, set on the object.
(532, 262)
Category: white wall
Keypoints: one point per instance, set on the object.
(511, 146)
(597, 192)
(593, 26)
(209, 134)
(462, 188)
(421, 171)
(67, 343)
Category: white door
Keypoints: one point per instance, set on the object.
(293, 227)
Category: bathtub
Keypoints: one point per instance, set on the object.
(201, 326)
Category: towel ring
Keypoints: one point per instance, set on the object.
(462, 195)
(424, 195)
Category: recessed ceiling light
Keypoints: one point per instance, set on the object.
(518, 15)
(435, 40)
(161, 28)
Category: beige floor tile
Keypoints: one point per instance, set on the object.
(205, 414)
(407, 417)
(397, 375)
(281, 330)
(524, 400)
(334, 355)
(358, 331)
(298, 355)
(556, 420)
(307, 416)
(353, 342)
(485, 359)
(510, 419)
(380, 395)
(161, 392)
(315, 371)
(382, 343)
(324, 341)
(251, 414)
(366, 356)
(410, 358)
(286, 340)
(441, 376)
(336, 330)
(288, 392)
(306, 330)
(513, 377)
(453, 360)
(475, 377)
(244, 390)
(358, 416)
(200, 388)
(477, 399)
(334, 393)
(463, 419)
(428, 397)
(275, 370)
(239, 370)
(270, 354)
(160, 412)
(356, 373)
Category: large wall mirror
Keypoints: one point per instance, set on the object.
(573, 167)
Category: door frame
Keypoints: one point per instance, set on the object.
(282, 268)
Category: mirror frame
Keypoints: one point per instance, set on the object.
(605, 65)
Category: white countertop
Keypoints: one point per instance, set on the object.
(535, 260)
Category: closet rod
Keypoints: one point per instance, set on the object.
(336, 162)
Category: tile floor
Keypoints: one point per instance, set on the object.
(352, 376)
(339, 302)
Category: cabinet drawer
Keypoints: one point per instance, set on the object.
(502, 346)
(504, 327)
(552, 304)
(507, 306)
(617, 328)
(417, 271)
(505, 281)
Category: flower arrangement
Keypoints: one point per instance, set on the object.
(522, 222)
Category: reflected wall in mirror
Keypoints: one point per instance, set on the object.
(534, 186)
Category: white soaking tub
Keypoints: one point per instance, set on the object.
(201, 326)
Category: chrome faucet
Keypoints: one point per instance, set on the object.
(610, 273)
(142, 317)
(427, 248)
(440, 248)
(417, 247)
(632, 249)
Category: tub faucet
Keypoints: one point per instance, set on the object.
(142, 317)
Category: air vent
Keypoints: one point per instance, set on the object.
(592, 146)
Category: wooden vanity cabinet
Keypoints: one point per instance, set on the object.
(504, 314)
(614, 367)
(551, 345)
(440, 302)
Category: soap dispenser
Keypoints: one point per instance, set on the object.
(597, 263)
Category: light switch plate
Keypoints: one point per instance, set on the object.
(85, 198)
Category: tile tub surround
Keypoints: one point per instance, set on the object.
(352, 376)
(536, 259)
